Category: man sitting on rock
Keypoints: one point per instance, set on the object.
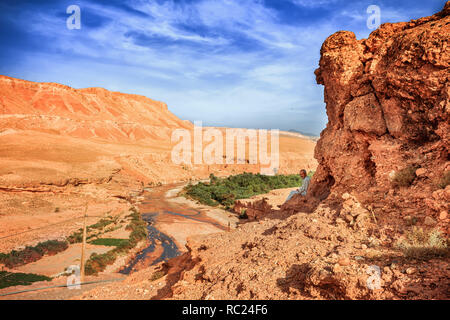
(304, 188)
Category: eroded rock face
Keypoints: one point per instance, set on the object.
(388, 102)
(84, 113)
(255, 210)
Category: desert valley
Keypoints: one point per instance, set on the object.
(63, 148)
(376, 208)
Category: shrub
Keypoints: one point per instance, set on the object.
(98, 262)
(419, 244)
(52, 247)
(75, 237)
(32, 254)
(243, 214)
(138, 228)
(101, 224)
(445, 180)
(213, 179)
(92, 231)
(157, 275)
(225, 191)
(404, 177)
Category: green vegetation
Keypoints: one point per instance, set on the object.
(243, 214)
(157, 275)
(445, 180)
(225, 191)
(92, 231)
(98, 262)
(404, 177)
(51, 247)
(76, 237)
(102, 223)
(109, 242)
(32, 254)
(411, 221)
(420, 244)
(8, 279)
(155, 184)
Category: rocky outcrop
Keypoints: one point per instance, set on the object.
(388, 103)
(253, 210)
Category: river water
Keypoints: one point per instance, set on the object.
(156, 210)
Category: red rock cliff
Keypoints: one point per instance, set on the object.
(387, 100)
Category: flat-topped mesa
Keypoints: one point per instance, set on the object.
(84, 113)
(388, 103)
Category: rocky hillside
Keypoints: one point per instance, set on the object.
(388, 103)
(378, 201)
(84, 113)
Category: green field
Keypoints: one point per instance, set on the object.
(9, 279)
(109, 242)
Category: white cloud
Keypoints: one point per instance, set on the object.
(200, 76)
(313, 3)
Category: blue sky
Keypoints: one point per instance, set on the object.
(236, 63)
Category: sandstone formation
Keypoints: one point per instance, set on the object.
(84, 113)
(388, 103)
(253, 210)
